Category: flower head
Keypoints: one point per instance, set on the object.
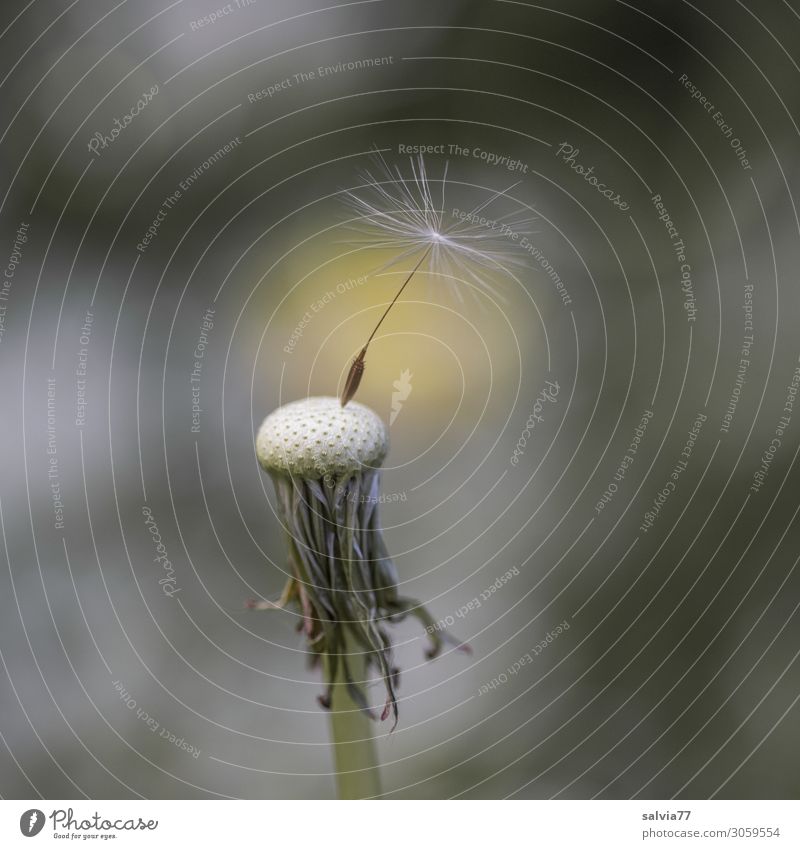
(312, 438)
(324, 461)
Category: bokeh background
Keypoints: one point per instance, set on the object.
(618, 650)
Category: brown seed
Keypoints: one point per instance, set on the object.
(353, 378)
(357, 369)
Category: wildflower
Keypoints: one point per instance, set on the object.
(324, 460)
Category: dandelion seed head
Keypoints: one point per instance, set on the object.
(324, 462)
(316, 437)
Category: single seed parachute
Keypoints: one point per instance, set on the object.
(399, 213)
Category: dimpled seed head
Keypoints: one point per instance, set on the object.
(317, 437)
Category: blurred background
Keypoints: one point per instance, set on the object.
(621, 556)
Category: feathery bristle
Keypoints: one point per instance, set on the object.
(393, 211)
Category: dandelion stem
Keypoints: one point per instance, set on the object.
(357, 775)
(357, 368)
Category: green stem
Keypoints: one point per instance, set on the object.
(357, 775)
